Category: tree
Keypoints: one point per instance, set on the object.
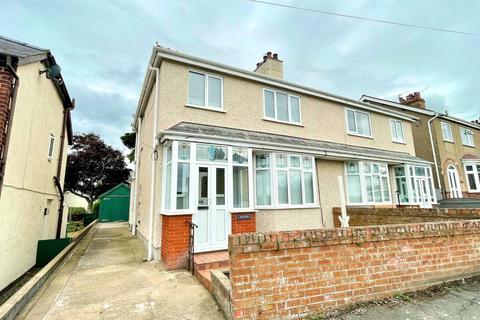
(94, 167)
(128, 140)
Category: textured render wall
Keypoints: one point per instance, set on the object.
(243, 106)
(29, 174)
(383, 216)
(285, 275)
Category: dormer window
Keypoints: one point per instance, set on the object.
(281, 107)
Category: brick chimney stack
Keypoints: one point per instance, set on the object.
(270, 66)
(413, 100)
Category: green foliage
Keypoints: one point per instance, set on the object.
(96, 207)
(402, 296)
(315, 316)
(128, 140)
(73, 226)
(77, 210)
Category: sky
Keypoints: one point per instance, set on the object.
(104, 46)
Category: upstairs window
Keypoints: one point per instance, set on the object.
(51, 147)
(358, 123)
(447, 132)
(282, 107)
(397, 131)
(467, 137)
(205, 91)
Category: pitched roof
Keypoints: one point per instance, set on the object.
(25, 52)
(270, 141)
(106, 193)
(369, 99)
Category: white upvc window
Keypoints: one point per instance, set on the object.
(472, 171)
(447, 132)
(358, 123)
(398, 134)
(367, 182)
(467, 137)
(282, 107)
(284, 181)
(51, 146)
(205, 91)
(411, 191)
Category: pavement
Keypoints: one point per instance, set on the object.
(462, 303)
(106, 278)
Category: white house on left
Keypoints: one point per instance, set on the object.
(35, 131)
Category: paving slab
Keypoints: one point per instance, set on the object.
(107, 278)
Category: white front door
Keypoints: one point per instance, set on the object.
(454, 182)
(211, 216)
(424, 193)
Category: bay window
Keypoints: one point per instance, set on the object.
(205, 90)
(358, 123)
(414, 184)
(281, 107)
(472, 171)
(367, 182)
(292, 177)
(240, 178)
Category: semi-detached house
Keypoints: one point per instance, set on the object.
(233, 151)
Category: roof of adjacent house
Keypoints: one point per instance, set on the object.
(27, 53)
(271, 141)
(429, 112)
(159, 53)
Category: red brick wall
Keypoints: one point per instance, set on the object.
(243, 222)
(175, 240)
(6, 80)
(290, 274)
(382, 216)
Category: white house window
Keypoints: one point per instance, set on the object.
(447, 132)
(282, 107)
(240, 177)
(414, 184)
(397, 131)
(467, 137)
(205, 90)
(168, 177)
(51, 146)
(183, 176)
(358, 123)
(293, 180)
(473, 176)
(367, 182)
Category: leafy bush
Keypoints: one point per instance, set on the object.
(76, 213)
(96, 207)
(73, 226)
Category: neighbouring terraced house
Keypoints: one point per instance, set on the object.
(35, 130)
(452, 144)
(235, 151)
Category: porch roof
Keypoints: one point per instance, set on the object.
(270, 141)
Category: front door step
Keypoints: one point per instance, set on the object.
(204, 262)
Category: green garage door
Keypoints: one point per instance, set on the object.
(115, 204)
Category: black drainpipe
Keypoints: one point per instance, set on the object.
(56, 179)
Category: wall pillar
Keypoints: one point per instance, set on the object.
(175, 240)
(243, 222)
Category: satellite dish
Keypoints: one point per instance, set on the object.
(53, 72)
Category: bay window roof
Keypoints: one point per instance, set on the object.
(268, 141)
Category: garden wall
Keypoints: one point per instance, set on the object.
(382, 216)
(289, 274)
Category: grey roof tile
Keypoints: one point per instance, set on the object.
(291, 141)
(20, 49)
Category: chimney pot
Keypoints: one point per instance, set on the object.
(275, 56)
(269, 54)
(265, 58)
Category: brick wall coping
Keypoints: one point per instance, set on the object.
(272, 241)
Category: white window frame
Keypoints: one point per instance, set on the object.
(205, 103)
(355, 133)
(274, 182)
(393, 129)
(476, 174)
(51, 147)
(363, 189)
(448, 128)
(409, 175)
(265, 117)
(468, 133)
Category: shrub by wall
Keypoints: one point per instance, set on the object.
(382, 216)
(284, 275)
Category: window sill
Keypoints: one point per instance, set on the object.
(286, 208)
(449, 141)
(232, 211)
(284, 122)
(473, 191)
(205, 108)
(182, 213)
(399, 142)
(359, 135)
(466, 145)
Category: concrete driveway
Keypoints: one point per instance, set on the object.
(106, 278)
